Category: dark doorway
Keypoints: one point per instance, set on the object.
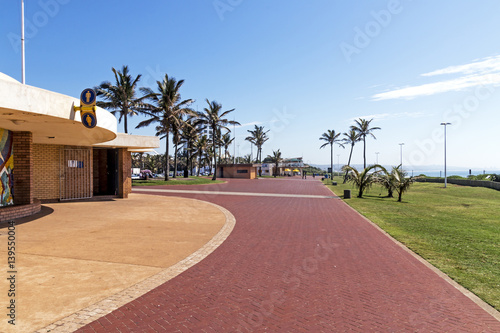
(105, 171)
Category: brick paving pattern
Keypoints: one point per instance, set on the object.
(296, 264)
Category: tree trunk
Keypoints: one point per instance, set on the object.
(167, 166)
(215, 155)
(199, 165)
(364, 151)
(390, 193)
(348, 163)
(124, 111)
(400, 196)
(186, 169)
(176, 152)
(331, 162)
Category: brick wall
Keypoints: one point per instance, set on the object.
(232, 172)
(46, 171)
(124, 173)
(15, 212)
(23, 168)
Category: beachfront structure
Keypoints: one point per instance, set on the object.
(245, 171)
(289, 166)
(47, 154)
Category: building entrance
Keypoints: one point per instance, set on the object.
(75, 176)
(105, 171)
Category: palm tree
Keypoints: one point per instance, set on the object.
(387, 182)
(216, 121)
(400, 182)
(121, 98)
(189, 136)
(246, 159)
(362, 180)
(176, 140)
(350, 138)
(167, 111)
(331, 138)
(276, 159)
(363, 129)
(226, 141)
(258, 137)
(201, 146)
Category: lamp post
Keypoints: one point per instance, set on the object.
(22, 44)
(377, 156)
(338, 162)
(401, 144)
(445, 179)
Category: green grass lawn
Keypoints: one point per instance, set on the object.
(456, 229)
(193, 180)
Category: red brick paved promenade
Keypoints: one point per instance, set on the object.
(296, 264)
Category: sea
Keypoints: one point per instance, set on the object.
(461, 173)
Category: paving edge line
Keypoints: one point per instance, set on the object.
(473, 297)
(113, 302)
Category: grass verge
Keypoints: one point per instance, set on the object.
(456, 229)
(176, 181)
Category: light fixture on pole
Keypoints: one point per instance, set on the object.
(401, 144)
(445, 179)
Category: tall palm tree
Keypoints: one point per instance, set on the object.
(258, 137)
(121, 98)
(363, 129)
(167, 110)
(330, 138)
(276, 159)
(363, 180)
(226, 142)
(350, 138)
(214, 119)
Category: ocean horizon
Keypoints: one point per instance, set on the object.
(461, 173)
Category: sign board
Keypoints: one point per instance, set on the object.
(88, 97)
(89, 119)
(87, 108)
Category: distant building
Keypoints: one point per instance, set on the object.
(289, 166)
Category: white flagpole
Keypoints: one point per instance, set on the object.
(22, 40)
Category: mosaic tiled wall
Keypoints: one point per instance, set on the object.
(6, 168)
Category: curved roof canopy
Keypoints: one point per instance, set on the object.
(50, 116)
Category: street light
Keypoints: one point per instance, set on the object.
(377, 156)
(338, 161)
(445, 179)
(401, 144)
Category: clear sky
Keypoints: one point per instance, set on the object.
(296, 67)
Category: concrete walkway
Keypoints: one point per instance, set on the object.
(78, 260)
(299, 264)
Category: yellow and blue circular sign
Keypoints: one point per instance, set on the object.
(89, 119)
(88, 97)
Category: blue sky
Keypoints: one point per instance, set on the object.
(298, 68)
